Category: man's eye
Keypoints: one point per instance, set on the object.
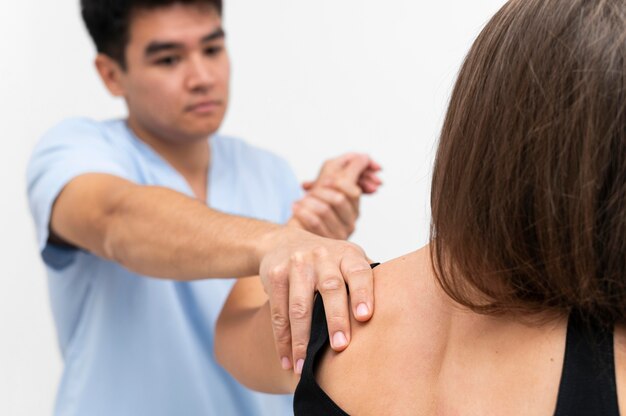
(212, 50)
(168, 61)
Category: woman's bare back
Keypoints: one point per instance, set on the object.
(423, 354)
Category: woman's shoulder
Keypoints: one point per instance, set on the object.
(382, 349)
(421, 349)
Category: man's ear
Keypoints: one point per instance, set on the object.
(111, 74)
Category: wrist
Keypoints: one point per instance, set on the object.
(269, 239)
(295, 223)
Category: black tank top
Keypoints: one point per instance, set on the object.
(587, 385)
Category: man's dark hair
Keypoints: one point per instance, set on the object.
(108, 21)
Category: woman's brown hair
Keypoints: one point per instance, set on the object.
(529, 187)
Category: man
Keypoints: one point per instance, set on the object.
(131, 216)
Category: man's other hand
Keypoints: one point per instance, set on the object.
(330, 207)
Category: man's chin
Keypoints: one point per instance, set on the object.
(202, 127)
(201, 133)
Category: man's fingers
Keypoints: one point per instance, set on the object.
(351, 190)
(340, 204)
(301, 289)
(375, 166)
(369, 185)
(371, 176)
(333, 166)
(323, 265)
(327, 215)
(351, 164)
(279, 310)
(332, 288)
(355, 167)
(312, 222)
(369, 180)
(308, 185)
(360, 279)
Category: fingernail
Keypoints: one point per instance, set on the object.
(339, 340)
(299, 365)
(285, 363)
(362, 310)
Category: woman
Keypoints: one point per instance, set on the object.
(518, 305)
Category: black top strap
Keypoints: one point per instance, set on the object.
(588, 386)
(309, 398)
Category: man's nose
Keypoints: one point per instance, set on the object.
(200, 75)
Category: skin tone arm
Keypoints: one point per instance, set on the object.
(247, 312)
(162, 233)
(244, 344)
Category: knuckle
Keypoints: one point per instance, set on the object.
(278, 282)
(276, 272)
(326, 211)
(299, 348)
(280, 324)
(297, 258)
(320, 252)
(315, 222)
(358, 270)
(331, 284)
(298, 309)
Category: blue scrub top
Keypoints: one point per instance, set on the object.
(131, 344)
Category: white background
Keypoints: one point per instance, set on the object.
(311, 80)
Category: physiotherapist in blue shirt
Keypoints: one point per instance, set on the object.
(142, 222)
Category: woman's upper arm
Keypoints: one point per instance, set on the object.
(244, 342)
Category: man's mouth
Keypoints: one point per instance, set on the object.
(204, 107)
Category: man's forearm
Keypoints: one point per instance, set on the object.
(158, 232)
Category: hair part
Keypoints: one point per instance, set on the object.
(108, 21)
(529, 186)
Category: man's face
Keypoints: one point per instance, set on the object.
(177, 72)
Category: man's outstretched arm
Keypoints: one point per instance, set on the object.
(156, 231)
(162, 233)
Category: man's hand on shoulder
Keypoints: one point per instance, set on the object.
(298, 264)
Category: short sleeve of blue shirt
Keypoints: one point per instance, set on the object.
(70, 149)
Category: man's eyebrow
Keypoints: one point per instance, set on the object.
(216, 34)
(155, 47)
